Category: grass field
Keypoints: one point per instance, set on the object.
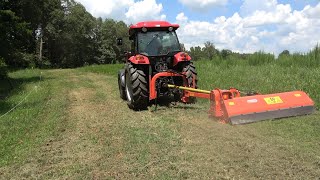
(73, 125)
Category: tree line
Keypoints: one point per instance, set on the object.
(58, 34)
(62, 34)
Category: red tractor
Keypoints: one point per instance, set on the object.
(155, 60)
(156, 68)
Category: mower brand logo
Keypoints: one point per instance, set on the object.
(273, 100)
(252, 101)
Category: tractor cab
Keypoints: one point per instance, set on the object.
(154, 38)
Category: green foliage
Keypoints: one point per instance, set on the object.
(15, 37)
(284, 53)
(18, 22)
(228, 58)
(310, 59)
(209, 50)
(108, 52)
(3, 69)
(260, 58)
(196, 53)
(225, 53)
(68, 35)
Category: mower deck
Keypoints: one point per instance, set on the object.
(229, 107)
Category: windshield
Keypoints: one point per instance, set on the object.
(157, 43)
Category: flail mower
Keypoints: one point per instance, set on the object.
(156, 67)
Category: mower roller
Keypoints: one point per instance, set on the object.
(157, 67)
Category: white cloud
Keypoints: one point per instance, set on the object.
(181, 18)
(145, 10)
(312, 12)
(107, 8)
(129, 11)
(203, 5)
(250, 6)
(276, 16)
(272, 28)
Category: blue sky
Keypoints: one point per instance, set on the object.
(174, 7)
(239, 25)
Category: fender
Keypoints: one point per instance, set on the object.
(139, 59)
(180, 57)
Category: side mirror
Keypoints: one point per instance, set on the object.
(119, 41)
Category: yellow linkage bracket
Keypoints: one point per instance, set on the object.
(189, 89)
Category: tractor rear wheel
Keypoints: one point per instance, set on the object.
(122, 84)
(191, 74)
(136, 87)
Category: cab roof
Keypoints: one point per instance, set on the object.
(155, 24)
(152, 25)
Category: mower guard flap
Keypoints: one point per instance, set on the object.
(248, 109)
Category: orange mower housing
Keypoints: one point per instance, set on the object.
(228, 106)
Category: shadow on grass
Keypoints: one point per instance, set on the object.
(10, 87)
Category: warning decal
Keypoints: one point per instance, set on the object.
(273, 100)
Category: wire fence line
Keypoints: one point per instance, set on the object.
(35, 88)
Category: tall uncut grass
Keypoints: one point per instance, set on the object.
(260, 58)
(310, 59)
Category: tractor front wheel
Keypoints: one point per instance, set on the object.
(122, 84)
(136, 87)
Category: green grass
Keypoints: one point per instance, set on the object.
(110, 69)
(310, 59)
(36, 119)
(92, 134)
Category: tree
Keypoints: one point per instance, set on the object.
(225, 53)
(183, 48)
(107, 32)
(209, 50)
(69, 35)
(196, 53)
(19, 20)
(15, 36)
(3, 69)
(284, 53)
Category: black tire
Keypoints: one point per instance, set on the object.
(122, 84)
(136, 88)
(190, 70)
